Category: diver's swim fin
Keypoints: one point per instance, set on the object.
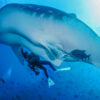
(63, 69)
(50, 82)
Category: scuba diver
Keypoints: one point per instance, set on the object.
(34, 62)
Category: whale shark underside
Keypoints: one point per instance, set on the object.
(47, 32)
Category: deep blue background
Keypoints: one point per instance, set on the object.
(18, 82)
(82, 82)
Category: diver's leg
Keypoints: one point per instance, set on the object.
(47, 63)
(45, 71)
(50, 81)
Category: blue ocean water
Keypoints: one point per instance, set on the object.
(18, 82)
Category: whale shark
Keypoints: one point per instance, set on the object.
(48, 32)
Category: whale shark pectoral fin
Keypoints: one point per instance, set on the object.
(16, 50)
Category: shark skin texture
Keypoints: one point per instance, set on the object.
(47, 32)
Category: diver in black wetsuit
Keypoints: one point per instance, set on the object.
(34, 62)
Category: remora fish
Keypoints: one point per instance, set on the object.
(47, 32)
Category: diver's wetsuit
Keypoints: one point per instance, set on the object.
(34, 60)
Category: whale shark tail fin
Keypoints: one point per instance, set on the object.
(50, 82)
